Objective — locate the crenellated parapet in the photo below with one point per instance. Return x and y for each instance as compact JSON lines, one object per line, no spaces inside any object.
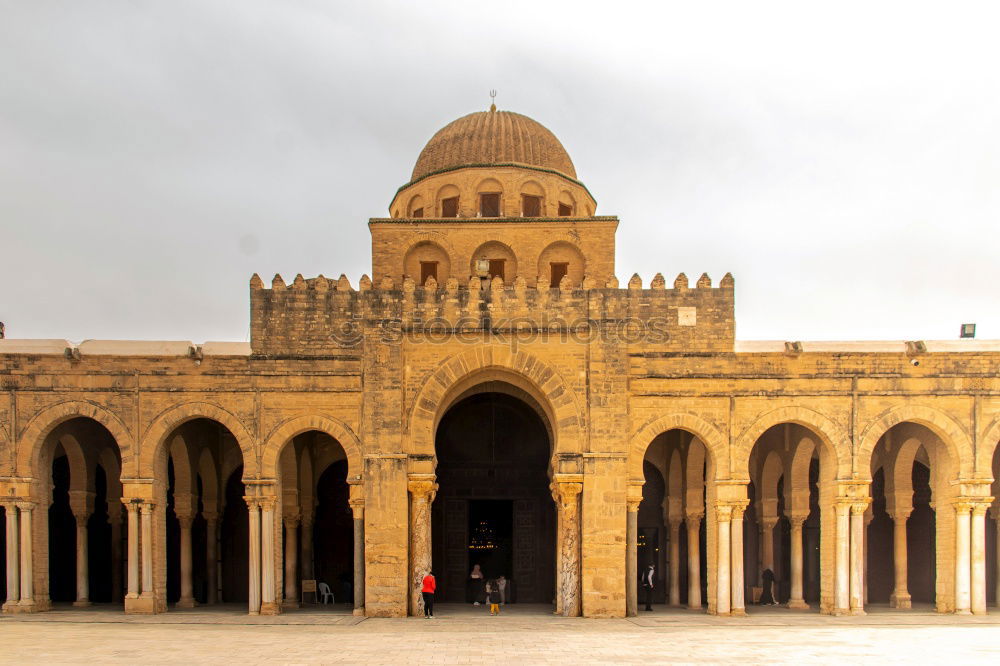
{"x":322,"y":316}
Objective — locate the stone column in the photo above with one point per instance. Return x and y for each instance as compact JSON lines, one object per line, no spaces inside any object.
{"x":568,"y":498}
{"x":422,"y":490}
{"x":253,"y":582}
{"x":146,"y":545}
{"x":187,"y":562}
{"x":767,"y":524}
{"x":736,"y":559}
{"x":306,"y":530}
{"x":900,"y":597}
{"x":723,"y":590}
{"x":82,"y":562}
{"x":632,"y":555}
{"x":796,"y":599}
{"x":675,"y":563}
{"x":841,"y":598}
{"x":996,"y":519}
{"x":694,"y":560}
{"x":358,"y":509}
{"x":268,"y":604}
{"x":292,"y":561}
{"x":115,"y":519}
{"x":27,"y":600}
{"x":857,"y":558}
{"x":963,"y":565}
{"x":13,"y":558}
{"x":132,"y":510}
{"x":211,"y":557}
{"x":978,"y":556}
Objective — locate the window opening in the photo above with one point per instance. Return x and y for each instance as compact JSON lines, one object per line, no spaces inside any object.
{"x":559,"y":269}
{"x":496,"y":269}
{"x":449,"y":207}
{"x":489,"y":205}
{"x":531,"y":206}
{"x":428,"y":269}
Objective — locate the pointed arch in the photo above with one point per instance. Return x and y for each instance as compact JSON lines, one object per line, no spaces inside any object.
{"x":46,"y":420}
{"x":954,"y":437}
{"x":155,"y":436}
{"x":705,"y":432}
{"x":462,"y":371}
{"x":284,"y":432}
{"x":986,"y":448}
{"x":832,"y":436}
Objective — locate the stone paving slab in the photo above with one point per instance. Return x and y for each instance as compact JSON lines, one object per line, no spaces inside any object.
{"x":526,"y":636}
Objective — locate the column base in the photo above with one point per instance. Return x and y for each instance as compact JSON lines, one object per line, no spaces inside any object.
{"x":140,"y":606}
{"x":798,"y":604}
{"x":900,"y":601}
{"x":359,"y":612}
{"x":186,"y":603}
{"x":738,"y":612}
{"x":81,"y":603}
{"x":19,"y":607}
{"x":858,"y":611}
{"x":964,"y":611}
{"x":270,"y":608}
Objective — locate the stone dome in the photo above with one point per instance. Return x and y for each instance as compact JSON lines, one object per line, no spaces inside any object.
{"x":493,"y":137}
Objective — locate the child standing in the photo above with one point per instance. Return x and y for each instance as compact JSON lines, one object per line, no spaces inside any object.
{"x":493,"y":592}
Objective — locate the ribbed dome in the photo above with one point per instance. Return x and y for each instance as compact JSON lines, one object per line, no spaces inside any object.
{"x":493,"y":137}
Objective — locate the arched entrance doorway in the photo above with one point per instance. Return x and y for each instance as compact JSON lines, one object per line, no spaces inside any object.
{"x":493,"y":506}
{"x":318,"y":537}
{"x":84,"y":517}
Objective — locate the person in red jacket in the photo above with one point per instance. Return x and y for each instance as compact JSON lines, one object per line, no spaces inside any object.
{"x":427,"y":590}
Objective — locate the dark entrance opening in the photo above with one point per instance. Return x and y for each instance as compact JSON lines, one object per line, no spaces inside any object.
{"x":493,"y":506}
{"x":491,"y":537}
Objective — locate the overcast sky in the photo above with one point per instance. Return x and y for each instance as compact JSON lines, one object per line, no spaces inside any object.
{"x":841,"y":159}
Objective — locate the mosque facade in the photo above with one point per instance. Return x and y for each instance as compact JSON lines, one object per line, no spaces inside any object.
{"x":493,"y":395}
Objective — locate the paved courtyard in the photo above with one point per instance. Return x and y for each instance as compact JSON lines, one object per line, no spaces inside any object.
{"x":463,"y":635}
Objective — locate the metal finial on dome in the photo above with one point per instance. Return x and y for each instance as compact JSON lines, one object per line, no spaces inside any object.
{"x":493,"y":98}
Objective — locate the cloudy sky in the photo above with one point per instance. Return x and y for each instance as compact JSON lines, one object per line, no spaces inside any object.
{"x":841,"y":159}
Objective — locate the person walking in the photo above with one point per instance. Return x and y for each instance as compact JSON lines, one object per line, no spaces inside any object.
{"x":427,"y":591}
{"x":493,"y":593}
{"x":647,"y":585}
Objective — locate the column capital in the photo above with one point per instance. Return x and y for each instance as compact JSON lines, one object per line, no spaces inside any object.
{"x":210,"y":516}
{"x":423,"y":487}
{"x":565,"y":492}
{"x":633,"y":496}
{"x":147,"y":507}
{"x":900,"y":514}
{"x":963,"y":505}
{"x":797,"y":518}
{"x":357,"y":508}
{"x":25,"y":506}
{"x":292,"y":521}
{"x":859,"y":507}
{"x":692,"y":516}
{"x":253,"y":501}
{"x":723,"y":513}
{"x":185,"y":520}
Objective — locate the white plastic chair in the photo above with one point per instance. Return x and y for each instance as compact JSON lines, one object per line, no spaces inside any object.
{"x":325,"y":593}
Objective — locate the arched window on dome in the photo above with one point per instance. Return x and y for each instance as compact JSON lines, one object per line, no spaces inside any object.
{"x":500,"y":259}
{"x":532,"y":201}
{"x":448,"y":201}
{"x":567,"y":204}
{"x":416,"y":208}
{"x":561,"y":259}
{"x":490,"y":196}
{"x":427,"y":259}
